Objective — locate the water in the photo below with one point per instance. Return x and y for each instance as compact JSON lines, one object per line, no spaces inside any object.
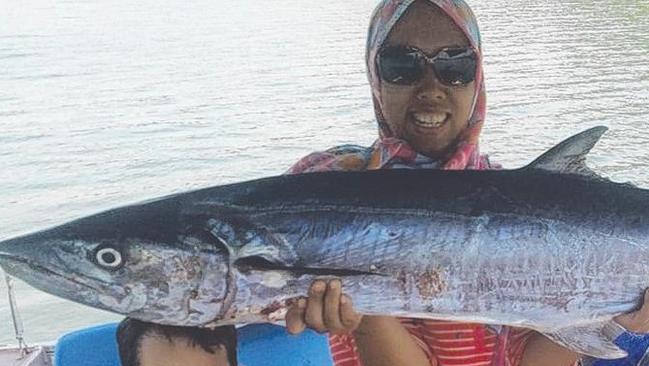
{"x":105,"y":103}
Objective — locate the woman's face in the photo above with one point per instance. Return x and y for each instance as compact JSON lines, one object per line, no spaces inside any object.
{"x":428,"y":114}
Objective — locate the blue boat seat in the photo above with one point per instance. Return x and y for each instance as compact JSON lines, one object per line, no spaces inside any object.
{"x":259,"y":344}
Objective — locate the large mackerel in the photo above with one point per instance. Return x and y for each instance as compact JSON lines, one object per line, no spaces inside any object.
{"x":551,"y":247}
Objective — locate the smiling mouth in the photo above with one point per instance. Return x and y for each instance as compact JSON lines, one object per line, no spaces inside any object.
{"x":430,"y":119}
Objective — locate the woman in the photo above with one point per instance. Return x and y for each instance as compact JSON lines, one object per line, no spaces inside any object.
{"x":424,"y":65}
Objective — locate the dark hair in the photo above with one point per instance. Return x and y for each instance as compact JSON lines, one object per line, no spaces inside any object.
{"x":131,"y":331}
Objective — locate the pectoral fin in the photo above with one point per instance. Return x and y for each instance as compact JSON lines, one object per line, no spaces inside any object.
{"x":245,"y":239}
{"x":595,"y":339}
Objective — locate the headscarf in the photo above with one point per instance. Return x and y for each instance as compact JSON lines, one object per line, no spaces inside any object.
{"x":389,"y":151}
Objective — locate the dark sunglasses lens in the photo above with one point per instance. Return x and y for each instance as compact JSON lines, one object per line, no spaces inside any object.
{"x":400,"y":66}
{"x":456,"y":67}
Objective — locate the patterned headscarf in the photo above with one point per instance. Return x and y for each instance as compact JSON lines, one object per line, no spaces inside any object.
{"x":386,"y":15}
{"x":389,"y":151}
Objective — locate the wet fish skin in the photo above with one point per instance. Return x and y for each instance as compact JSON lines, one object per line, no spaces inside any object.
{"x":549,"y":247}
{"x":159,"y":275}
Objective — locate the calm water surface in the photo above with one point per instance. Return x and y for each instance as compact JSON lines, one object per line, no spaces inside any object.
{"x":109,"y":102}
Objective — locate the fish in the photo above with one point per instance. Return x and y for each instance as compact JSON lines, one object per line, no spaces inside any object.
{"x":552,"y":247}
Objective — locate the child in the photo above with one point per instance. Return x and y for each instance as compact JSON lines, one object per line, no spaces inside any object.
{"x":148,"y":344}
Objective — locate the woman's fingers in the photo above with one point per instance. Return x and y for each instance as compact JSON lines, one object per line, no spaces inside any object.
{"x":295,"y":317}
{"x":638,"y":321}
{"x":332,"y":319}
{"x":325,"y":310}
{"x":315,"y":307}
{"x":644,"y":310}
{"x":349,"y":318}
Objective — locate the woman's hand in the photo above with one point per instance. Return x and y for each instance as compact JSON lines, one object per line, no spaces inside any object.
{"x":381,"y":341}
{"x":638,"y":321}
{"x":326,"y":309}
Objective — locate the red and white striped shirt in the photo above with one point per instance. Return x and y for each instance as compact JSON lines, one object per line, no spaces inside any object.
{"x":446,"y":344}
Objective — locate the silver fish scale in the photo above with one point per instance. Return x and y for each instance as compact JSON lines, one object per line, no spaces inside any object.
{"x":360,"y":240}
{"x":535,"y":267}
{"x":511,"y":269}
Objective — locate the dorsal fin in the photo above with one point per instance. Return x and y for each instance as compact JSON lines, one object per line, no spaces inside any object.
{"x":569,"y":156}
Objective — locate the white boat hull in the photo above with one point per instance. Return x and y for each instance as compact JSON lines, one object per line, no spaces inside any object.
{"x":35,"y":356}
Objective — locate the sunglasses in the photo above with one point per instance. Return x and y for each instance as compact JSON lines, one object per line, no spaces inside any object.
{"x":403,"y":65}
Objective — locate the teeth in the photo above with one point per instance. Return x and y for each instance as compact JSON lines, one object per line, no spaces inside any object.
{"x":430,"y":119}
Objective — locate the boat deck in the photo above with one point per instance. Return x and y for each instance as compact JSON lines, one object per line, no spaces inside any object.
{"x":37,"y":356}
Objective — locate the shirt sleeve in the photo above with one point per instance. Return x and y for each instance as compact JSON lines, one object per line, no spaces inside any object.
{"x":517,"y":342}
{"x":416,"y":330}
{"x":518,"y":339}
{"x":343,"y":350}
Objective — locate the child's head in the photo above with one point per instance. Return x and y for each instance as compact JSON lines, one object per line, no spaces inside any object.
{"x":424,"y":66}
{"x":148,"y":344}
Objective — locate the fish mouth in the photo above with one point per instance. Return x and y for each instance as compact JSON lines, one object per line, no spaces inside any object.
{"x":24,"y":269}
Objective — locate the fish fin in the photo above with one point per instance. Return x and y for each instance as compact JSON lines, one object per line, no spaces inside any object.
{"x":244,"y":239}
{"x":595,"y":339}
{"x":569,"y":156}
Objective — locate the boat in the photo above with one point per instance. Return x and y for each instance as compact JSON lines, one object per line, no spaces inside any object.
{"x":32,"y":356}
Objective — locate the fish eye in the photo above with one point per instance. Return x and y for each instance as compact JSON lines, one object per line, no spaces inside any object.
{"x":109,"y":258}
